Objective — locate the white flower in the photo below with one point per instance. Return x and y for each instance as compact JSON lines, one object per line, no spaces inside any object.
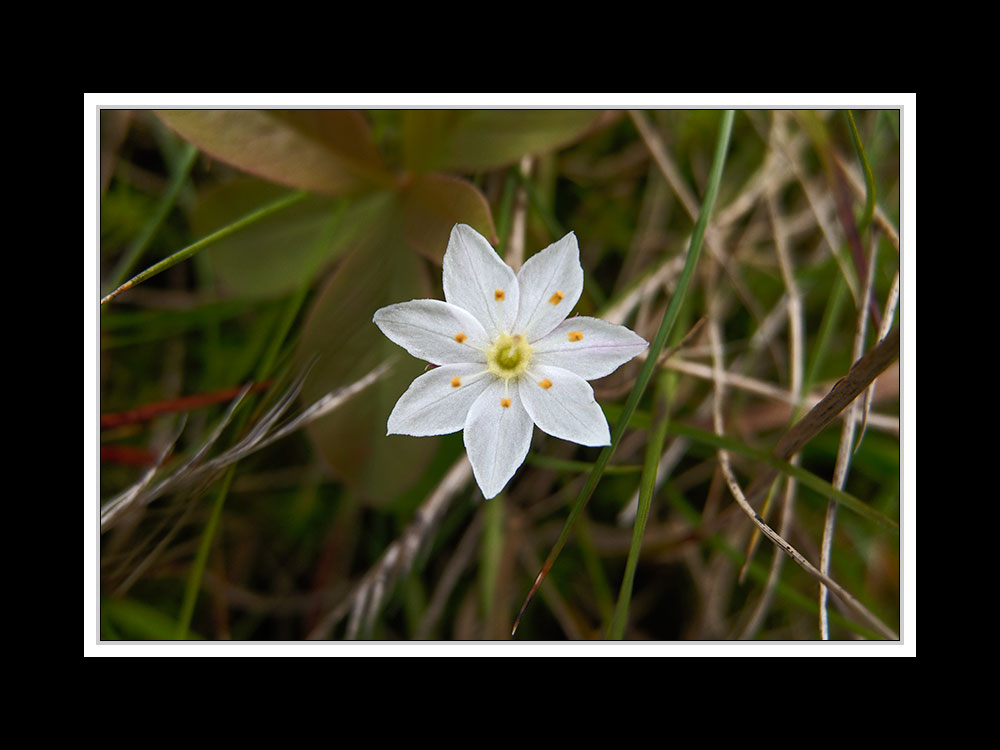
{"x":507,"y":355}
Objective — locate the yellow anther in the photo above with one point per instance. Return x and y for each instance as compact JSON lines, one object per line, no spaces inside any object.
{"x":460,"y":337}
{"x":499,"y":295}
{"x":556,"y":298}
{"x":456,"y":381}
{"x":576,"y":335}
{"x":545,"y":383}
{"x":505,"y":403}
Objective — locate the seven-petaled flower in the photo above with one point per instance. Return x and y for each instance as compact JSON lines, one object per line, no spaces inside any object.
{"x":508,"y":357}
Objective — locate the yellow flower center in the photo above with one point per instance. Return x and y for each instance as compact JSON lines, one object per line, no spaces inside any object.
{"x":509,"y":356}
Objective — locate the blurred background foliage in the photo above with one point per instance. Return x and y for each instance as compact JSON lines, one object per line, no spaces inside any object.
{"x":338,"y":531}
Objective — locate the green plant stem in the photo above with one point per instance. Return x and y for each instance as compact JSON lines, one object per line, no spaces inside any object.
{"x":869,"y":210}
{"x":647,"y":484}
{"x":139,"y":245}
{"x":185,"y":253}
{"x":491,"y":552}
{"x":193,"y":585}
{"x":666,"y":325}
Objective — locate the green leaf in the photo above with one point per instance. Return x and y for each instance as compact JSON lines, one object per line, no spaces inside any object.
{"x":432,"y":204}
{"x":340,"y":335}
{"x":485,"y":139}
{"x":328,"y":151}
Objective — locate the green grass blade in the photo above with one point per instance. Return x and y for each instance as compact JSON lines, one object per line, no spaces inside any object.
{"x":185,"y":253}
{"x":138,"y":247}
{"x":869,"y":211}
{"x":647,"y":484}
{"x":666,"y":325}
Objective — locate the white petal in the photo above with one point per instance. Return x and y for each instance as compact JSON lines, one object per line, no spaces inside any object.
{"x":550,"y":284}
{"x":434,"y":331}
{"x":438,"y":402}
{"x":562,"y":404}
{"x":477,"y":280}
{"x":497,"y":437}
{"x":590,"y":347}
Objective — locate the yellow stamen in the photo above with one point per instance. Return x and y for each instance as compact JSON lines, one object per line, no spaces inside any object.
{"x":556,"y":298}
{"x":509,"y":356}
{"x":456,"y":381}
{"x":460,"y":337}
{"x":576,"y":335}
{"x":499,"y":295}
{"x":545,"y":383}
{"x":505,"y":403}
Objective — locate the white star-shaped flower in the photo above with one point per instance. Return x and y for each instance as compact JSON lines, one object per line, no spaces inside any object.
{"x":507,"y":356}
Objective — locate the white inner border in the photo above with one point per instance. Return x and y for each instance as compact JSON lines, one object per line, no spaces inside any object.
{"x":93,"y":102}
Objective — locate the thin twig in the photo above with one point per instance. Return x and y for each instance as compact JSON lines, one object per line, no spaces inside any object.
{"x":714,"y":239}
{"x":887,"y":318}
{"x":774,"y":175}
{"x":861,"y":374}
{"x":843,"y":461}
{"x":777,"y":561}
{"x":770,"y":533}
{"x":796,"y":343}
{"x":817,"y":203}
{"x":762,"y":388}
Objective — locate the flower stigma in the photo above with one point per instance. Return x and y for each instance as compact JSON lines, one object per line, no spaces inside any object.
{"x":509,"y":356}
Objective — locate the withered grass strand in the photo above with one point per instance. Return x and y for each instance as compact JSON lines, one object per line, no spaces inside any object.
{"x":460,"y":561}
{"x":743,"y":502}
{"x":820,"y":206}
{"x":843,"y":461}
{"x":261,"y":435}
{"x":774,"y":174}
{"x":879,"y":421}
{"x":887,"y":317}
{"x":123,"y":501}
{"x":796,"y":366}
{"x":714,"y":236}
{"x":365,"y":599}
